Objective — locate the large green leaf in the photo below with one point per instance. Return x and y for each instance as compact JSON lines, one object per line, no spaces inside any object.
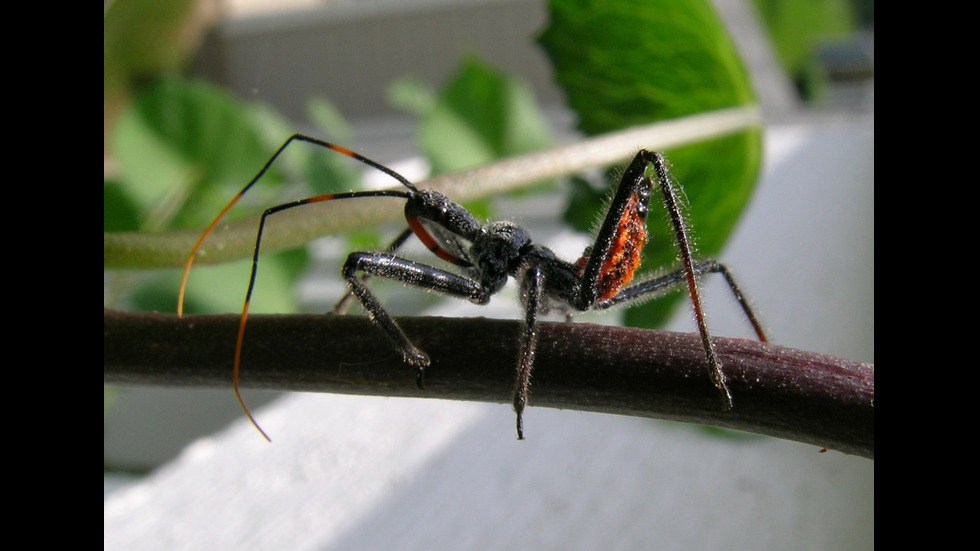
{"x":481,"y":115}
{"x":184,"y":149}
{"x":326,"y":171}
{"x":624,"y":63}
{"x":193,"y":140}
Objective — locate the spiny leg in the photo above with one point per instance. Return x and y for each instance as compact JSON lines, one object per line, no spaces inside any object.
{"x":683,"y":244}
{"x":611,"y":262}
{"x":410,"y":273}
{"x":343,"y":304}
{"x":532,"y":286}
{"x":712,"y":266}
{"x":376,"y":312}
{"x":667,"y":282}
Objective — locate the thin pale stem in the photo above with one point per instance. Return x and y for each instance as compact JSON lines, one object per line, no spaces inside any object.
{"x":235,"y":240}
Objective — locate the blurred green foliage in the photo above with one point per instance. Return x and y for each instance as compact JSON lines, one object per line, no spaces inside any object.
{"x":797,"y":27}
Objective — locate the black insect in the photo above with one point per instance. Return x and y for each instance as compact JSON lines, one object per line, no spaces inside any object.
{"x":486,"y":255}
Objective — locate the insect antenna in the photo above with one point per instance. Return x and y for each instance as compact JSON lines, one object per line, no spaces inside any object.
{"x":412,"y":190}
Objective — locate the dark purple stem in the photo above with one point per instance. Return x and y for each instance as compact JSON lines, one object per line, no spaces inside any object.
{"x":781,"y":392}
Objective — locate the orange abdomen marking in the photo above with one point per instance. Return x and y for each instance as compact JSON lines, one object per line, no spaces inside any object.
{"x":624,"y":255}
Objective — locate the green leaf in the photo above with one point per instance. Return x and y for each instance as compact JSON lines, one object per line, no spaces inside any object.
{"x":140,"y":40}
{"x":326,"y":171}
{"x":411,"y":95}
{"x":624,"y":63}
{"x":190,"y":146}
{"x":480,"y":116}
{"x":185,"y":149}
{"x":119,"y":214}
{"x":581,"y":212}
{"x":327,"y":118}
{"x":221,"y":288}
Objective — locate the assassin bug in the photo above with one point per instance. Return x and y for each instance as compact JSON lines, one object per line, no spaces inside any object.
{"x":487,"y":255}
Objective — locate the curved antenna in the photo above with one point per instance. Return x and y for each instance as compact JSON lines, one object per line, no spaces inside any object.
{"x":412,"y":191}
{"x":255,"y":266}
{"x":265,"y":168}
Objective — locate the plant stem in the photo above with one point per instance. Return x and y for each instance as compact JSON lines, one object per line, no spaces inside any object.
{"x":778,"y":391}
{"x":236,"y":240}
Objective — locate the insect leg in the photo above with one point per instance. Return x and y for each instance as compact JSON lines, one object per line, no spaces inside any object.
{"x":668,"y":282}
{"x":684,"y":246}
{"x":344,"y":303}
{"x":532,"y":287}
{"x":411,"y":273}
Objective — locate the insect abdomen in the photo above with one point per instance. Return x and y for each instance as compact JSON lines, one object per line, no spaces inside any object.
{"x":624,"y":254}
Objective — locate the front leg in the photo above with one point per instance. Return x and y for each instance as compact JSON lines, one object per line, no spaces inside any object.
{"x":343,"y":304}
{"x":411,"y":273}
